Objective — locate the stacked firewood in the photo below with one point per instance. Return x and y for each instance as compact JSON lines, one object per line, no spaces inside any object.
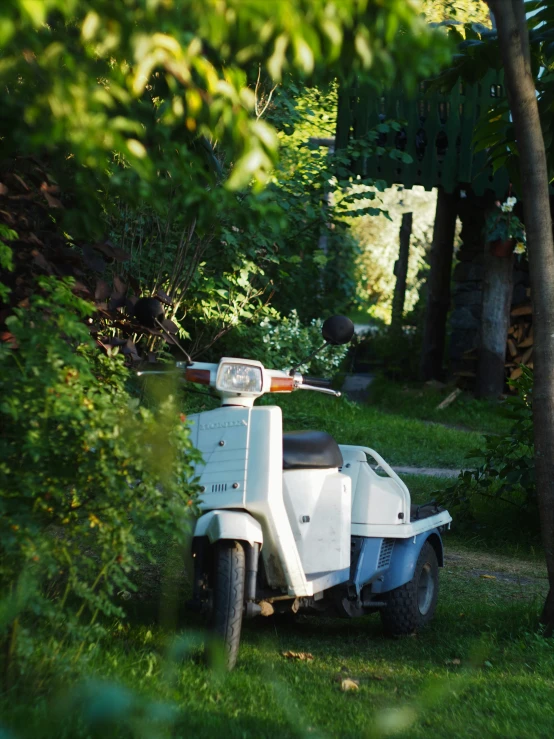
{"x":519,"y":348}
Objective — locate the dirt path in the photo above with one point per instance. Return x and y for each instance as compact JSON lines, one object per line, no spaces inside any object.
{"x":505,"y":576}
{"x":427,"y":471}
{"x":356,"y":385}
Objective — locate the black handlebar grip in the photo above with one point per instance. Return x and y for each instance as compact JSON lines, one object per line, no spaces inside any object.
{"x":317,"y":381}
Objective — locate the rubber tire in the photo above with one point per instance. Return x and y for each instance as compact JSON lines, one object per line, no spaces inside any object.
{"x":229,"y":572}
{"x":402,"y":616}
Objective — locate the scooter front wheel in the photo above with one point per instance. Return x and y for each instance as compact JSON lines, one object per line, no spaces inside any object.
{"x":229,"y":569}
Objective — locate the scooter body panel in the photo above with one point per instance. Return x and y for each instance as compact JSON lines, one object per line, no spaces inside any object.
{"x":242,"y":468}
{"x":376,"y":499}
{"x":318,"y":504}
{"x":223,"y":437}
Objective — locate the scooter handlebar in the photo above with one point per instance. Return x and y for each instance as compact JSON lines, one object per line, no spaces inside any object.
{"x":317,"y":381}
{"x":325,"y":390}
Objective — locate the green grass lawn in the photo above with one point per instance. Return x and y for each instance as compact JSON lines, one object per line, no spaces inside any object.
{"x":400,"y":440}
{"x":421,"y":402}
{"x":480,"y":670}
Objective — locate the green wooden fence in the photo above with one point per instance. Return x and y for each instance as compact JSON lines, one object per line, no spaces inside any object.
{"x":437,"y":133}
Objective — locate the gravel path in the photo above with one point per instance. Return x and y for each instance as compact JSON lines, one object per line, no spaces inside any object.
{"x":430,"y":471}
{"x":356,"y":386}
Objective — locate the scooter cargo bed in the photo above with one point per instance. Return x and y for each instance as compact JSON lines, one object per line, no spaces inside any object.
{"x":402,"y":530}
{"x":417,"y":512}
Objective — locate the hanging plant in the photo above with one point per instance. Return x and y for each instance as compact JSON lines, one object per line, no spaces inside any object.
{"x":504,"y":231}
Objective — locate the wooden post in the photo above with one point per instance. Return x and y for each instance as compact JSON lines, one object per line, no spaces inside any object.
{"x":438,"y":286}
{"x":401,"y":272}
{"x":495,"y":321}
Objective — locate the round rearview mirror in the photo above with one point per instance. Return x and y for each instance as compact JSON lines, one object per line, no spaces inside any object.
{"x":337,"y":330}
{"x":147,"y":311}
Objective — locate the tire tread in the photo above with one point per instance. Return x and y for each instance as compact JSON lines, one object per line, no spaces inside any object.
{"x":229,"y":597}
{"x":401,"y":615}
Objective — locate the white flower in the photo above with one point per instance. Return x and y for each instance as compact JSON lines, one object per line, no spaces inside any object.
{"x":506,"y":208}
{"x":519,"y":248}
{"x":511,"y":201}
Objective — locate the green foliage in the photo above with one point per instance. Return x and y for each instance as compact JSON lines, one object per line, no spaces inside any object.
{"x":148,"y":113}
{"x":398,"y":353}
{"x":462,"y":11}
{"x":312,"y":250}
{"x":503,"y":484}
{"x":502,"y":224}
{"x":398,"y":356}
{"x":379,"y":238}
{"x":290,"y":244}
{"x":6,"y":257}
{"x":128,"y":96}
{"x":281,"y":342}
{"x":88,"y":478}
{"x":285,"y":343}
{"x":478,"y":52}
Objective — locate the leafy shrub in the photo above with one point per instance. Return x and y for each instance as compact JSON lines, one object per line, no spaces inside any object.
{"x":399,"y":356}
{"x":6,"y":257}
{"x":281,"y":342}
{"x":89,"y":478}
{"x":288,"y":341}
{"x":504,"y":481}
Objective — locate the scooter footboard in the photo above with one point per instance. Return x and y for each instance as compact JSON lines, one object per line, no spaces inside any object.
{"x":229,"y":525}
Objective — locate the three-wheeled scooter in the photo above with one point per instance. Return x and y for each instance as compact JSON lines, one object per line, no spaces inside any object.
{"x":296,"y":521}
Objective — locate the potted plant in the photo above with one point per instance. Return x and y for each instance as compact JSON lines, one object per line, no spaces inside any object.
{"x":503,"y":229}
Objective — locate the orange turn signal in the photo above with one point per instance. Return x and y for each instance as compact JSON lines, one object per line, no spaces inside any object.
{"x":281,"y":385}
{"x":201,"y":376}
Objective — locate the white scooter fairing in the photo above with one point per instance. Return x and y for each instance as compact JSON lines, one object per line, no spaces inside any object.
{"x":304,"y":514}
{"x":306,"y":511}
{"x":292,"y":521}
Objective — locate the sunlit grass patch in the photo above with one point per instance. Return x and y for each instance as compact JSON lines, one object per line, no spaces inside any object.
{"x":400,"y":440}
{"x":417,"y":400}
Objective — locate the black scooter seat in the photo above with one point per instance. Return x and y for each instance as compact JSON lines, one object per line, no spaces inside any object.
{"x":310,"y":450}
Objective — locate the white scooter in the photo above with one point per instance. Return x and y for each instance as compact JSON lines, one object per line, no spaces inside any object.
{"x":296,"y":521}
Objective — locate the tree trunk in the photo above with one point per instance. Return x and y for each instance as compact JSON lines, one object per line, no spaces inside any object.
{"x":438,"y":286}
{"x":401,"y":272}
{"x":495,"y":322}
{"x":514,"y":43}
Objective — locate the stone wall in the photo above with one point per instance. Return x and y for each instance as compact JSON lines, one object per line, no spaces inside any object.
{"x":467,"y":288}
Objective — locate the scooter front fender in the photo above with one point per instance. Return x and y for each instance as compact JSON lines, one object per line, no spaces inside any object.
{"x":229,"y":525}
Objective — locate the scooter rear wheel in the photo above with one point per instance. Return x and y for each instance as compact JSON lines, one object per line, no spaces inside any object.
{"x":229,"y":569}
{"x":412,"y":606}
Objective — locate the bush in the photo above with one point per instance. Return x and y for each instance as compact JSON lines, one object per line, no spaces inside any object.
{"x":399,"y":356}
{"x":281,"y":342}
{"x":503,"y":485}
{"x":89,"y":479}
{"x":287,"y":342}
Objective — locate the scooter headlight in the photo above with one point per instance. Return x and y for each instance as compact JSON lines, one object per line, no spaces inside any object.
{"x":233,"y":377}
